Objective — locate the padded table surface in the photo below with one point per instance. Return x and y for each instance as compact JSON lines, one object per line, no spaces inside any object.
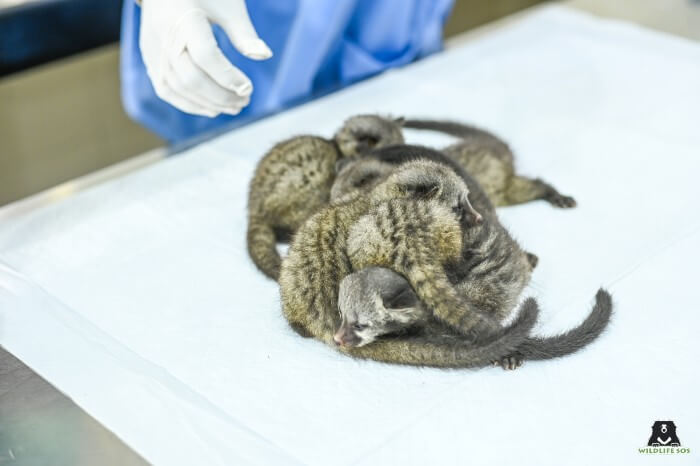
{"x":137,"y":299}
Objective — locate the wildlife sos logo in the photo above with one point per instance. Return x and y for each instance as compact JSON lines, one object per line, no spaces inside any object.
{"x":664,"y":440}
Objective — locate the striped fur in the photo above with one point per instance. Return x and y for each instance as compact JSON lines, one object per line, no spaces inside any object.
{"x":293,"y":180}
{"x":360,"y":301}
{"x":491,"y":162}
{"x":493,"y":269}
{"x":417,"y":236}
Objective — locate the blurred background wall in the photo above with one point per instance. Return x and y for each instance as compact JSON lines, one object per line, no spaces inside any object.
{"x":60,"y":109}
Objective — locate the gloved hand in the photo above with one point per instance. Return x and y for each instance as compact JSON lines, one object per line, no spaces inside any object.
{"x":183,"y":60}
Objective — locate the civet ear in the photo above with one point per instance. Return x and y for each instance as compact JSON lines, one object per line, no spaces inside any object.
{"x":366,"y":142}
{"x":401,"y":298}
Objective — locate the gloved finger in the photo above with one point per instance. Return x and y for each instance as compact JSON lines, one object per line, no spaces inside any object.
{"x":177,"y":86}
{"x":240,"y":105}
{"x":191,"y":103}
{"x":199,"y":86}
{"x":165,"y":91}
{"x":245,"y":101}
{"x":209,"y":58}
{"x":242,"y":33}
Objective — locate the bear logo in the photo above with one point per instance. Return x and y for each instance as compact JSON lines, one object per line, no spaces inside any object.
{"x":663,"y":434}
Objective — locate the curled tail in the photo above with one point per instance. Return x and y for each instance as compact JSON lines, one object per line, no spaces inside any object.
{"x":262,"y":247}
{"x":452,"y":128}
{"x":452,"y":351}
{"x":435,"y":291}
{"x":575,"y":339}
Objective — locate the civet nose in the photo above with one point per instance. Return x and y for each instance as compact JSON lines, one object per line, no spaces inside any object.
{"x":474,"y":216}
{"x":347,"y":338}
{"x":468,"y":215}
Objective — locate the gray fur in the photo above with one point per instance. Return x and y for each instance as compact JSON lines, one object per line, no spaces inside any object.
{"x":293,"y":180}
{"x":413,"y":223}
{"x":493,"y":269}
{"x":491,"y":162}
{"x":396,"y":306}
{"x":362,"y":300}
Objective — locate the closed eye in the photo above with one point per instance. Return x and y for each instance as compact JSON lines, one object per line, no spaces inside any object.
{"x":364,"y":180}
{"x":421,"y":190}
{"x":359,"y":327}
{"x":368,"y":140}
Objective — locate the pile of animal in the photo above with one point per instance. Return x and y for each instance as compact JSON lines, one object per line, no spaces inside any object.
{"x":397,"y":253}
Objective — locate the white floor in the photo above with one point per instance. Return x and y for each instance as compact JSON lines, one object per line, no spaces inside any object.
{"x":136,"y":297}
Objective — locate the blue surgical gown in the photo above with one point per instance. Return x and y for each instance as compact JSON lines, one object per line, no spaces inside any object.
{"x":318,"y":45}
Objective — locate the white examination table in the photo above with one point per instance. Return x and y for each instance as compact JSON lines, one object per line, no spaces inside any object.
{"x":137,"y":299}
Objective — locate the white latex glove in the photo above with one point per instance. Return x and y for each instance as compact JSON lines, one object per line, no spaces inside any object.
{"x":186,"y":66}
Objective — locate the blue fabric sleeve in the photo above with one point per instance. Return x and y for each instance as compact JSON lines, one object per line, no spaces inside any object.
{"x":318,"y":45}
